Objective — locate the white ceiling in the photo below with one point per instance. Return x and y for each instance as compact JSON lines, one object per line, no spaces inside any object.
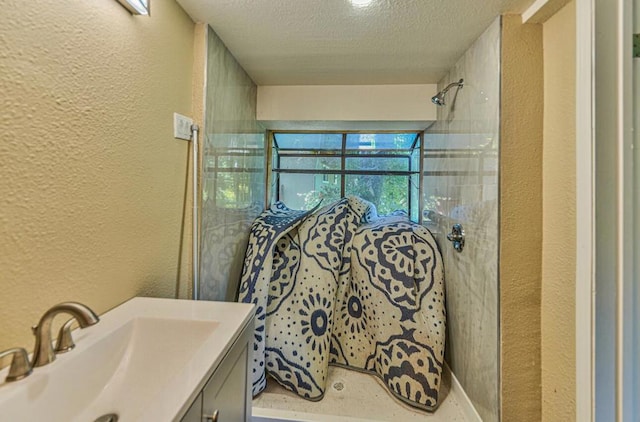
{"x":332,"y":42}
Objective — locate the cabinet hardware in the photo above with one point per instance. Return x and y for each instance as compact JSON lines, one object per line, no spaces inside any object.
{"x":212,"y":418}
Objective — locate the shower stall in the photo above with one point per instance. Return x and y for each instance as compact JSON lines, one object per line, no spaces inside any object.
{"x":460,"y":162}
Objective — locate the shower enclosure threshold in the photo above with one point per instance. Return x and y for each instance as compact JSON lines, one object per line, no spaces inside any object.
{"x":356,"y":397}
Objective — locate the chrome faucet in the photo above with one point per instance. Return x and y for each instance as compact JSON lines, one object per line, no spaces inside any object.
{"x":43,"y":352}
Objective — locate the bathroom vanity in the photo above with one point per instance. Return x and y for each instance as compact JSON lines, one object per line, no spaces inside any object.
{"x":145,"y":360}
{"x":226,"y":397}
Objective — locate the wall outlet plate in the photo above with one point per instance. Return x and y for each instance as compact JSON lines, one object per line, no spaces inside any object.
{"x":182,"y":127}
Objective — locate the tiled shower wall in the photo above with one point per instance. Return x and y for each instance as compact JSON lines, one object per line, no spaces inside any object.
{"x":461,"y":186}
{"x":233,"y":171}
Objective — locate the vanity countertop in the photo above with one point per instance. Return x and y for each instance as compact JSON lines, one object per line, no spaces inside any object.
{"x":146,"y":360}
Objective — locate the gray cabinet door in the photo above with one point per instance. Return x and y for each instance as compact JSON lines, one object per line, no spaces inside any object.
{"x":226,"y":392}
{"x":194,"y":414}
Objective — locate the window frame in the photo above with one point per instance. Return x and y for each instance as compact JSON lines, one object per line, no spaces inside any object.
{"x":273,"y":174}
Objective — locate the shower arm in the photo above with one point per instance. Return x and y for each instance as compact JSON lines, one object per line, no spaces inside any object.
{"x":460,"y":83}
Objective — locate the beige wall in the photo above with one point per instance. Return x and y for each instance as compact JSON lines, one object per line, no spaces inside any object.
{"x":92,"y":183}
{"x":558,"y":218}
{"x":347,"y":102}
{"x":521,"y":218}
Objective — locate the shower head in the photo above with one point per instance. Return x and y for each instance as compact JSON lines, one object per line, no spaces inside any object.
{"x":438,"y":99}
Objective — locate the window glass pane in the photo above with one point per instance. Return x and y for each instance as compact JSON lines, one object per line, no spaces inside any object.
{"x":395,"y":152}
{"x":377,"y":153}
{"x":372,"y":163}
{"x":388,"y":193}
{"x":321,"y":141}
{"x":415,"y":160}
{"x":364,"y":141}
{"x":233,"y":190}
{"x":414,"y":204}
{"x":310,"y":152}
{"x":310,"y":163}
{"x":233,"y":158}
{"x":304,"y":191}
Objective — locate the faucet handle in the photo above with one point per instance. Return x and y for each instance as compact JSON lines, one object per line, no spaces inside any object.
{"x":65,"y":340}
{"x":20,"y":366}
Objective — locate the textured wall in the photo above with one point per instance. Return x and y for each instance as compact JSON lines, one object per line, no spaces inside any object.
{"x":521,"y":218}
{"x":92,"y":183}
{"x":461,"y":186}
{"x":558,"y":217}
{"x":233,"y":179}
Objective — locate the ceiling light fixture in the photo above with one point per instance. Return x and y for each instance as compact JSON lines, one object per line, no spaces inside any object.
{"x":136,"y":7}
{"x":360,"y":3}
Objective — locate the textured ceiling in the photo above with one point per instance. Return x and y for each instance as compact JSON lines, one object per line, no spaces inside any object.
{"x":332,"y":42}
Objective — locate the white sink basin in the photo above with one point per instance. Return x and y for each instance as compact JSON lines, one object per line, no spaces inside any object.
{"x":145,"y":360}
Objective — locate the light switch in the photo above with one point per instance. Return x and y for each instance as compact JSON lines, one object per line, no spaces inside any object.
{"x":182,"y":127}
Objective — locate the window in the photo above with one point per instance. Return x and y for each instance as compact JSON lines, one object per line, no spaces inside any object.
{"x":382,"y":168}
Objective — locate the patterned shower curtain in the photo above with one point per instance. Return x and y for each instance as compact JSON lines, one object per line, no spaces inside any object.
{"x":345,"y":287}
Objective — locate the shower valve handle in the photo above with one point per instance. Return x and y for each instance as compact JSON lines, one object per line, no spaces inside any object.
{"x":457,"y":237}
